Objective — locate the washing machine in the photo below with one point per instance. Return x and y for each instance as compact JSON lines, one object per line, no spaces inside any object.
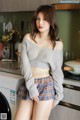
{"x":9,"y":84}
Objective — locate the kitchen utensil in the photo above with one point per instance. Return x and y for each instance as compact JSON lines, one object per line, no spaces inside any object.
{"x":22,"y":30}
{"x":5,"y":53}
{"x":9,"y":26}
{"x":72,"y":67}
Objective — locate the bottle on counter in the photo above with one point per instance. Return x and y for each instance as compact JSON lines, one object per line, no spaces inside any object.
{"x":12,"y":47}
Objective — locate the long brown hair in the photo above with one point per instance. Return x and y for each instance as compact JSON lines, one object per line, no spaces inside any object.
{"x":50,"y":15}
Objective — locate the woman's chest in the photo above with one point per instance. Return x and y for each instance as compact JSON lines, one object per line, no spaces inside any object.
{"x":40,"y":54}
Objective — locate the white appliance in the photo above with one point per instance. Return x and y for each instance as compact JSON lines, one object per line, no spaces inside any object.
{"x":9,"y":84}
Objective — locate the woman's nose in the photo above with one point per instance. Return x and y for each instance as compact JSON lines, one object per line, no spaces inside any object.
{"x":41,"y":22}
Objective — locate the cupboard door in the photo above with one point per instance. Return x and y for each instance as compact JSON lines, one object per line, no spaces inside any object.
{"x":49,"y":1}
{"x":43,"y":2}
{"x":22,"y":5}
{"x":8,"y":5}
{"x":31,"y":5}
{"x":55,"y":1}
{"x":28,"y":5}
{"x":1,"y":5}
{"x":71,"y":96}
{"x":64,"y":113}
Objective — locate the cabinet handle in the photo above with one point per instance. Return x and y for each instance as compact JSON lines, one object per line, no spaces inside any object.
{"x":69,"y":86}
{"x":73,"y":87}
{"x":69,"y":105}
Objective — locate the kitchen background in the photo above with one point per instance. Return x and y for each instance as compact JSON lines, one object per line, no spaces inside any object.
{"x":68,"y":21}
{"x":69,"y":31}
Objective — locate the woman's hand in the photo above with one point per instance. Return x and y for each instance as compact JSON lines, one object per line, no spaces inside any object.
{"x":36,"y":99}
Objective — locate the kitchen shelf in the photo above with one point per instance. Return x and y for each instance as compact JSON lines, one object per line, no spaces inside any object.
{"x":65,"y":6}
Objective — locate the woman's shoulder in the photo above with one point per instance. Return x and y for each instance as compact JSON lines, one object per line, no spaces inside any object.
{"x":59,"y":44}
{"x":27,"y":37}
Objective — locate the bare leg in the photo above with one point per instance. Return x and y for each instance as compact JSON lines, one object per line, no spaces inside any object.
{"x":42,"y":110}
{"x":24,"y":111}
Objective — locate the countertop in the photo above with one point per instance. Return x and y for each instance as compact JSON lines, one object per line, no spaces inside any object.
{"x":10,"y":67}
{"x":13,"y":68}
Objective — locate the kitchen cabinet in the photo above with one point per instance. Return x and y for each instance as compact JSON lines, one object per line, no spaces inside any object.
{"x":64,"y":113}
{"x":67,"y":6}
{"x":19,"y":5}
{"x":66,"y":1}
{"x":42,"y":2}
{"x":69,"y":107}
{"x":55,"y":1}
{"x":8,"y":5}
{"x":72,"y":94}
{"x":28,"y":5}
{"x":31,"y":5}
{"x":22,"y":5}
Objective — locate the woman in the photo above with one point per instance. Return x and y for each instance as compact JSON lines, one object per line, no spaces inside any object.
{"x":41,"y":61}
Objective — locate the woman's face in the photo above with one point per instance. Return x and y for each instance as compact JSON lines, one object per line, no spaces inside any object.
{"x":41,"y":23}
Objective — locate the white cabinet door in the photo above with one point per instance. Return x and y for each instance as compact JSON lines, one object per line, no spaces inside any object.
{"x":8,"y":5}
{"x":64,"y":113}
{"x":71,"y":96}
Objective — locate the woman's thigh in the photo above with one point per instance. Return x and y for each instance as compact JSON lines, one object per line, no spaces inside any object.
{"x":42,"y":110}
{"x":24,"y":110}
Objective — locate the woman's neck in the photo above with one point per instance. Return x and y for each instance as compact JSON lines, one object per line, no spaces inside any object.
{"x":44,"y":36}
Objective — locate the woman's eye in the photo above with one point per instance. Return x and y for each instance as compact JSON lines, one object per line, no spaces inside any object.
{"x":38,"y":19}
{"x":45,"y":19}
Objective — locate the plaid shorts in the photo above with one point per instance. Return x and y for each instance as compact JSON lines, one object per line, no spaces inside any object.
{"x":45,"y":87}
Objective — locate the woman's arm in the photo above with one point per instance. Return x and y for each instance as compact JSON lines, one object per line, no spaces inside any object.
{"x":27,"y":72}
{"x":57,"y":73}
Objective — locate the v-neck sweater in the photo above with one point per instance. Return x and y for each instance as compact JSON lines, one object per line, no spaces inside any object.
{"x":32,"y":55}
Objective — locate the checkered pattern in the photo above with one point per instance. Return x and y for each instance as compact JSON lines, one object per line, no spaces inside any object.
{"x":45,"y":87}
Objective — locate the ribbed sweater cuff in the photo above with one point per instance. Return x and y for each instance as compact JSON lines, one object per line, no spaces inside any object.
{"x":33,"y":93}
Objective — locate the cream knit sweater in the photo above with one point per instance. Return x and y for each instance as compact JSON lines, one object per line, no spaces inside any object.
{"x":45,"y":58}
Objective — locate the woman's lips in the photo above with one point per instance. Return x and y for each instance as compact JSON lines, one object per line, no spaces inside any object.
{"x":40,"y":27}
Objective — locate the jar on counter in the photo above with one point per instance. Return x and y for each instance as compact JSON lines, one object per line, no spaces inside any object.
{"x":68,"y":55}
{"x":5,"y":53}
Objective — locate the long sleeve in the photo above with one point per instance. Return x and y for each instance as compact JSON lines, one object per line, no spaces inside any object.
{"x":57,"y":73}
{"x":27,"y":72}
